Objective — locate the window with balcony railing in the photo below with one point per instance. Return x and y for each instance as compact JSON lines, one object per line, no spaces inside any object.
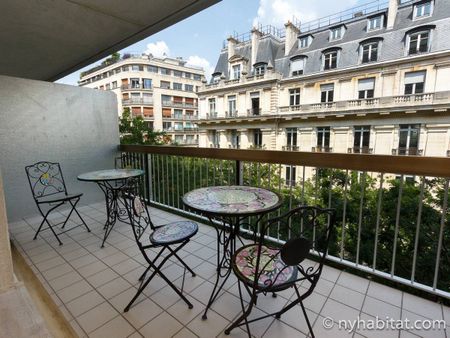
{"x":291,"y":173}
{"x":366,"y":88}
{"x":361,"y":139}
{"x":212,"y":106}
{"x":257,"y":138}
{"x":327,"y":93}
{"x":415,"y":82}
{"x":236,"y":72}
{"x":294,"y":97}
{"x":291,"y":138}
{"x":408,"y":139}
{"x":231,"y":105}
{"x":323,"y":138}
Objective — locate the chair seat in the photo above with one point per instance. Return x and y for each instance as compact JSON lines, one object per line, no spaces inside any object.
{"x":57,"y":198}
{"x":274,"y":272}
{"x":173,"y":232}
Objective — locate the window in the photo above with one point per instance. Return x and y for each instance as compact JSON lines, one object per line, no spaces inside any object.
{"x":177,"y":73}
{"x":187,"y":75}
{"x":370,"y":52}
{"x":361,"y":139}
{"x":231,"y":104}
{"x":305,"y":41}
{"x":414,"y":83}
{"x":167,"y":125}
{"x":330,"y":60}
{"x":327,"y":92}
{"x":260,"y":69}
{"x":419,"y":42}
{"x":178,"y":126}
{"x":125,"y":68}
{"x":294,"y":97}
{"x":375,"y":23}
{"x":323,"y":137}
{"x":152,"y":69}
{"x":212,"y":106}
{"x":257,"y":138}
{"x":366,"y":88}
{"x":188,"y":88}
{"x":190,"y":139}
{"x":423,"y":10}
{"x":164,"y":71}
{"x":134,"y":83}
{"x":147,"y":98}
{"x":408,"y":139}
{"x":178,"y":113}
{"x":136,"y":68}
{"x":235,"y":139}
{"x":114,"y":85}
{"x":236,"y":72}
{"x":290,"y":175}
{"x":197,"y":77}
{"x":166,"y":99}
{"x":297,"y":66}
{"x":178,"y":138}
{"x":215,"y":138}
{"x":336,"y":33}
{"x":291,"y":138}
{"x":177,"y":86}
{"x":216,"y":78}
{"x":147,"y":83}
{"x":165,"y":84}
{"x":135,"y":96}
{"x":107,"y":86}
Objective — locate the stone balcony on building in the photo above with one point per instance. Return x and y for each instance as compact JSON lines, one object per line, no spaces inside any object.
{"x":137,"y":101}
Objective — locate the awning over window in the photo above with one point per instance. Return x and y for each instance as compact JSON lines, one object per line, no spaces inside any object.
{"x":366,"y":84}
{"x":415,"y":77}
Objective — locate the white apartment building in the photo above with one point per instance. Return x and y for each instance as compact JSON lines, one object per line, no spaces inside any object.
{"x":162,"y":91}
{"x":375,"y":80}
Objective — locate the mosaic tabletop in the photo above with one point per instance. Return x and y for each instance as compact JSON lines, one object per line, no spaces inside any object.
{"x":110,"y":174}
{"x":232,"y":200}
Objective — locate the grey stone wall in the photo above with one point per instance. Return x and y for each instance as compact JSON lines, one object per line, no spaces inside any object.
{"x":42,"y":121}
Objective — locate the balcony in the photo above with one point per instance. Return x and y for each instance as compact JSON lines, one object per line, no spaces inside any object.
{"x":137,"y":101}
{"x":87,"y":281}
{"x":130,"y":87}
{"x":290,"y":148}
{"x":253,"y":112}
{"x":360,"y":150}
{"x":231,"y":114}
{"x":321,"y":149}
{"x":385,"y":103}
{"x":176,"y":104}
{"x":211,"y":116}
{"x":188,"y":117}
{"x":412,"y":151}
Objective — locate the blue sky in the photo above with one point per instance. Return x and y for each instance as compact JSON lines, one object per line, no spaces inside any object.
{"x":199,"y":38}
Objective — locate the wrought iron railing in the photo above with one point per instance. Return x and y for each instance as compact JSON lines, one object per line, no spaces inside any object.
{"x":392,"y":211}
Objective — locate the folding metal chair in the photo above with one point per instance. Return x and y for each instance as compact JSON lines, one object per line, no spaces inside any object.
{"x":49,"y":193}
{"x":263,"y":268}
{"x":169,"y":237}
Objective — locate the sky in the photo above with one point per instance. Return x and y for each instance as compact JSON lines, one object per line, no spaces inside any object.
{"x":199,"y":38}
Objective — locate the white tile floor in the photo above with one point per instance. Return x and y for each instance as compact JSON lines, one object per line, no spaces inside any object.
{"x":93,"y":285}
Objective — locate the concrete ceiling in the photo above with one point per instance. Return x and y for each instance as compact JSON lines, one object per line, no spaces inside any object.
{"x":48,"y":39}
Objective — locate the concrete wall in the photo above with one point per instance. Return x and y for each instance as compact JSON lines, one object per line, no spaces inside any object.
{"x":39,"y":121}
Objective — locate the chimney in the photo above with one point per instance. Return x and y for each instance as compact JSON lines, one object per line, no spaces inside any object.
{"x":256,"y":35}
{"x":232,"y":42}
{"x":292,"y":33}
{"x":392,"y":13}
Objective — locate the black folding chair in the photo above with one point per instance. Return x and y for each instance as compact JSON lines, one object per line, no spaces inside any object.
{"x":171,"y":237}
{"x":50,"y":192}
{"x":263,"y":268}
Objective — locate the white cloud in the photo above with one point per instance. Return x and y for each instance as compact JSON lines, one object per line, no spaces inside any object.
{"x":158,"y":49}
{"x":198,"y":61}
{"x":278,"y":12}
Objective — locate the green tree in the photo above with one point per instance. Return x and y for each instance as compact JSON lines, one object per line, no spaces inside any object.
{"x":134,"y":130}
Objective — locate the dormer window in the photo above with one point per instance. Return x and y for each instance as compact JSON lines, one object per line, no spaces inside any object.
{"x":419,"y":42}
{"x":236,"y":72}
{"x":330,"y":59}
{"x":375,"y":23}
{"x":305,"y":41}
{"x":260,"y":69}
{"x":337,"y":33}
{"x":423,"y":10}
{"x":369,"y":50}
{"x":298,"y":65}
{"x":215,"y":78}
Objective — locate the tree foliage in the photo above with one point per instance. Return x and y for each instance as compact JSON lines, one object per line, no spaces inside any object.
{"x":134,"y":130}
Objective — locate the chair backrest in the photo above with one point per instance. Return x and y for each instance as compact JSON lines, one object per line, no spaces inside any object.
{"x":45,"y":179}
{"x":136,"y":209}
{"x":308,"y":229}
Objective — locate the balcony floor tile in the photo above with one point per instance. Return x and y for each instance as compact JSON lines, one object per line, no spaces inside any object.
{"x":92,"y":286}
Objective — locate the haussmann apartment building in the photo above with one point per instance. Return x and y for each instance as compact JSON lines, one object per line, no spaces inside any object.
{"x":374,"y":80}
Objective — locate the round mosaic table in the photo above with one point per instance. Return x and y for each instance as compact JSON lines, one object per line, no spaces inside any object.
{"x":110,"y":182}
{"x":230,"y":205}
